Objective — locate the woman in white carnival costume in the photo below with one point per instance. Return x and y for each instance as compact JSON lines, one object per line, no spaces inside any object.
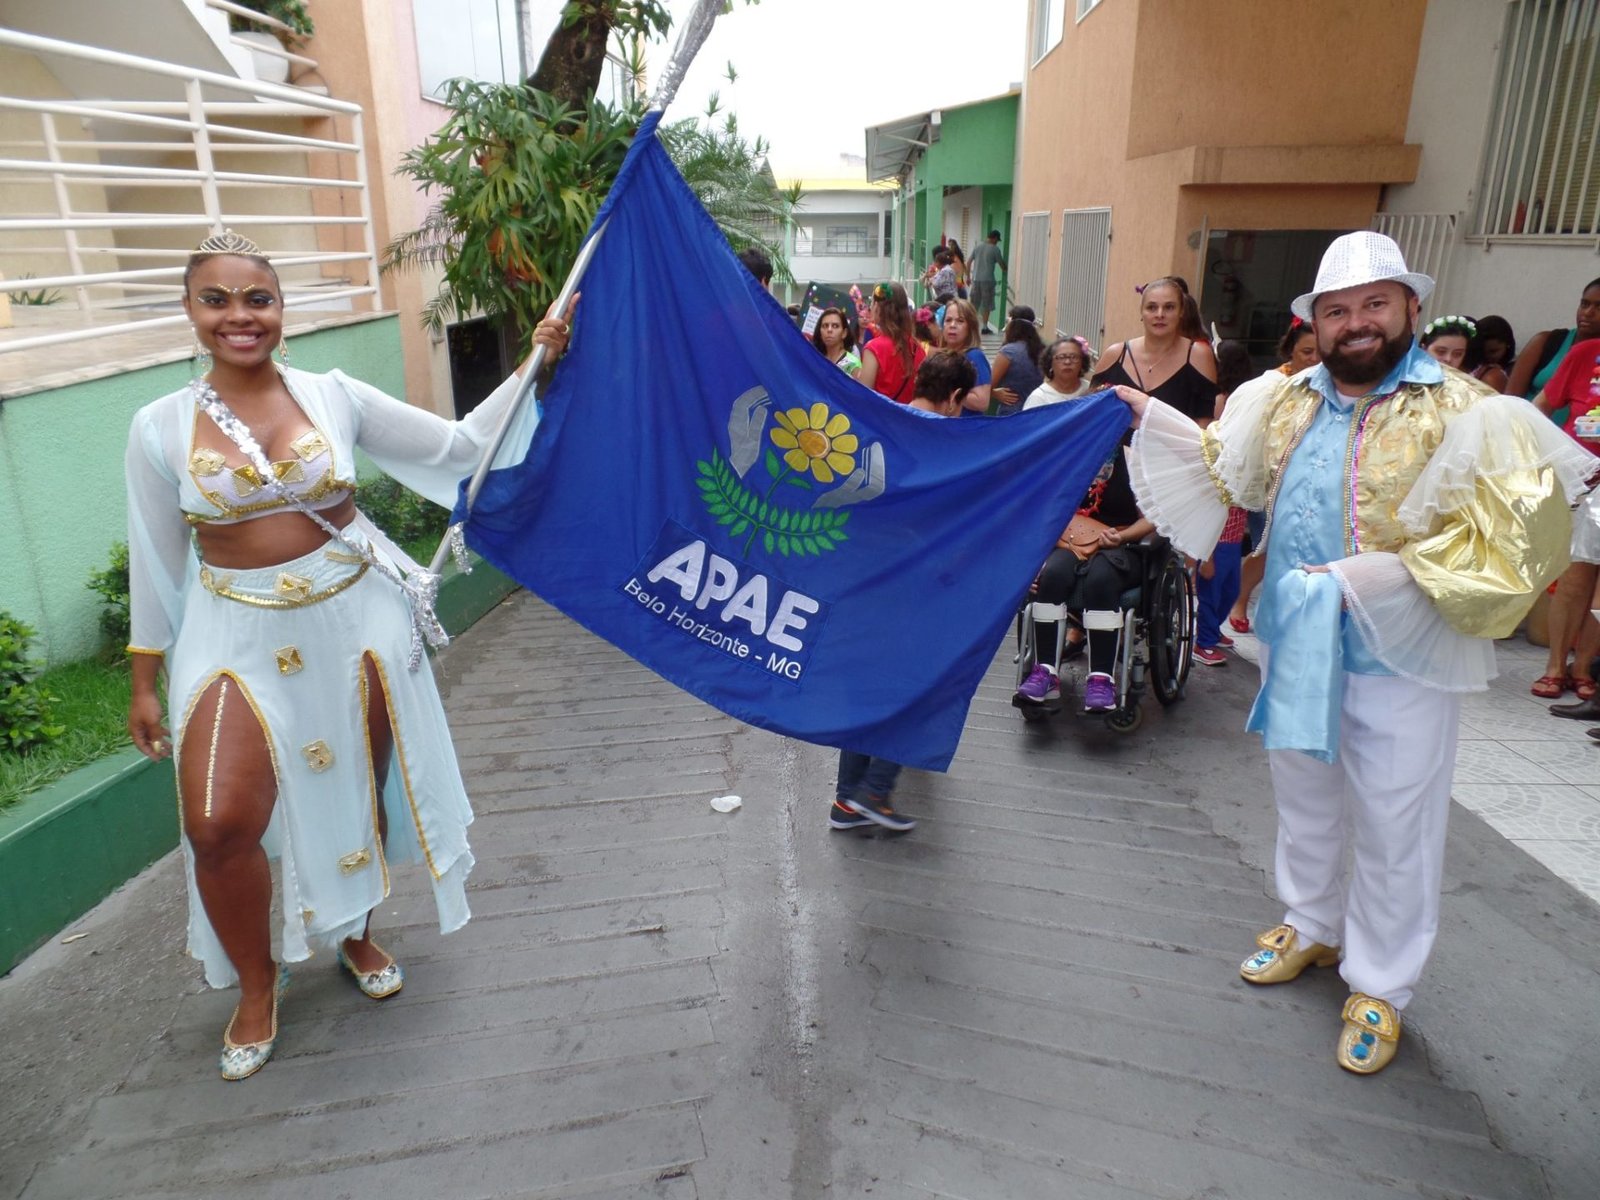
{"x":305,"y":718}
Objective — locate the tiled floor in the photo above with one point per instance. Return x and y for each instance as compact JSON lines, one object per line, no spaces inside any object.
{"x":1533,"y":777}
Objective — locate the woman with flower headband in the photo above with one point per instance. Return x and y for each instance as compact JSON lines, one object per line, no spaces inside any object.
{"x":304,"y":720}
{"x":889,"y":361}
{"x":1448,"y":338}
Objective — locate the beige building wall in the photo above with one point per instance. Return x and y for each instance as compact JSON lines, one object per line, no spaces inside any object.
{"x":367,"y":52}
{"x":1184,"y":115}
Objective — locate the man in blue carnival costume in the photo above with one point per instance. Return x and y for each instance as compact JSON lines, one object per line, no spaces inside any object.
{"x":1412,"y":516}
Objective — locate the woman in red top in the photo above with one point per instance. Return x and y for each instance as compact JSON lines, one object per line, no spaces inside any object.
{"x":889,"y":361}
{"x":1575,"y":386}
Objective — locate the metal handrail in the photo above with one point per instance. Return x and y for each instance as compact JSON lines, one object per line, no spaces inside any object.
{"x":204,"y":127}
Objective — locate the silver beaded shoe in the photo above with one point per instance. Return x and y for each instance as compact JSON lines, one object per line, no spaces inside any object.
{"x":379,"y":984}
{"x":242,"y":1060}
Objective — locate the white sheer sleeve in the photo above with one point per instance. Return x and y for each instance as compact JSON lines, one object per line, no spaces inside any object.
{"x":427,"y":453}
{"x":1187,"y":478}
{"x":1238,"y":440}
{"x":1175,"y":488}
{"x":160,"y":552}
{"x":1403,"y":628}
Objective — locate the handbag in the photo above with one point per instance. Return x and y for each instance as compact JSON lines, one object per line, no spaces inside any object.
{"x":1083,"y":536}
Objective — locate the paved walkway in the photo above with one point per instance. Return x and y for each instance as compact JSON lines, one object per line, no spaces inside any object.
{"x":1033,"y":995}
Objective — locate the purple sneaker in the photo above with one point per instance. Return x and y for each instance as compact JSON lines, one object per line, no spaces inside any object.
{"x":1099,"y":693}
{"x":1040,"y":685}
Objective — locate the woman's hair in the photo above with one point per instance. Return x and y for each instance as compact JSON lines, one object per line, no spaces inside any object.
{"x":894,"y":321}
{"x":1497,"y":329}
{"x":1233,"y":366}
{"x":849,"y":335}
{"x":1021,"y":328}
{"x":970,"y":315}
{"x":944,"y":372}
{"x":1451,"y":326}
{"x":955,"y":249}
{"x":1291,"y":338}
{"x":228,"y":244}
{"x":1047,"y":356}
{"x":1189,"y":323}
{"x":941,"y":258}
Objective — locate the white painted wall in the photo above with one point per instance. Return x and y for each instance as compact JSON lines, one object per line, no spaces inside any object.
{"x":967,"y":203}
{"x":842,"y":206}
{"x":1534,"y":287}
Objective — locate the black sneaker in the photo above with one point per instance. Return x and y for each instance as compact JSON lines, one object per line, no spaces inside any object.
{"x":879,"y":811}
{"x":840,"y":817}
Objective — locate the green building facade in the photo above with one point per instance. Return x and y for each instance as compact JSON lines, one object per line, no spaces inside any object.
{"x":955,"y":168}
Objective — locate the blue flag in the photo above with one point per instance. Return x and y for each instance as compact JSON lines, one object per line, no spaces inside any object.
{"x":714,"y":497}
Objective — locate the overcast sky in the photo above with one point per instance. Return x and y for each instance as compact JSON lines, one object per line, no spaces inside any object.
{"x":813,"y":74}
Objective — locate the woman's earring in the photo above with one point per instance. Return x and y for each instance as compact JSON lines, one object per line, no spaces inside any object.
{"x":200,"y":360}
{"x":283,"y":350}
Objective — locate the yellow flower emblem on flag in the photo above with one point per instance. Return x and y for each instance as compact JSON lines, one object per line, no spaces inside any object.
{"x":814,"y":441}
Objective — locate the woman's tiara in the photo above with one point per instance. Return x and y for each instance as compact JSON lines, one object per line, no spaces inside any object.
{"x":227,"y":242}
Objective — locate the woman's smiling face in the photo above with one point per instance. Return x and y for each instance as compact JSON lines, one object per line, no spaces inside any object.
{"x":236,"y":309}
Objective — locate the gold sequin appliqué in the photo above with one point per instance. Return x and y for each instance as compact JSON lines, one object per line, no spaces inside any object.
{"x":206,"y":462}
{"x":309,"y":444}
{"x":293,"y":587}
{"x":353,"y":862}
{"x":317,"y":755}
{"x":289,"y":660}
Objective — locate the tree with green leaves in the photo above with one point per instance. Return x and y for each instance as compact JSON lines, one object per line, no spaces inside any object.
{"x":518,"y":172}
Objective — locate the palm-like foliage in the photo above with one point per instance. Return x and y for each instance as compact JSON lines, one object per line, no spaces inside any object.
{"x":519,"y":176}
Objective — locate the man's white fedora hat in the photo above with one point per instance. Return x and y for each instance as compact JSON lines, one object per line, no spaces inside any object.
{"x":1360,"y":258}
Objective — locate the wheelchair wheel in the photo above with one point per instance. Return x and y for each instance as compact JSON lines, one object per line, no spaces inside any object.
{"x":1172,"y":621}
{"x":1125,"y":720}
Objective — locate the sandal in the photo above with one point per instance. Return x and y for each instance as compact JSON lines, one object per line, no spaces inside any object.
{"x":1240,"y":624}
{"x":1550,"y":687}
{"x":1582,"y":686}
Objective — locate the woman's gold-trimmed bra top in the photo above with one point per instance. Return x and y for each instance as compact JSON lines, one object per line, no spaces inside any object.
{"x":239,"y":494}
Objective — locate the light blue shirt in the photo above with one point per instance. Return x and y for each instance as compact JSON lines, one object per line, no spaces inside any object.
{"x":1308,"y":516}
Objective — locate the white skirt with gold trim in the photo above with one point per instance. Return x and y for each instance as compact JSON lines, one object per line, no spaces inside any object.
{"x":290,"y":640}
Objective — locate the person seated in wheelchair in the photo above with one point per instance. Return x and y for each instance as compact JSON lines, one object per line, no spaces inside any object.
{"x":1093,"y":563}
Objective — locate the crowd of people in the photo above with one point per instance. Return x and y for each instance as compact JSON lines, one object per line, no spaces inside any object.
{"x":1174,"y":360}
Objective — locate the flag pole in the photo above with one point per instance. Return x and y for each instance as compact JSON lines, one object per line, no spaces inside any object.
{"x":692,"y":36}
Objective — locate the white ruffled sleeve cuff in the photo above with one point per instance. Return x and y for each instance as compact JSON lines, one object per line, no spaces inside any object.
{"x":1403,"y":629}
{"x":1175,"y":489}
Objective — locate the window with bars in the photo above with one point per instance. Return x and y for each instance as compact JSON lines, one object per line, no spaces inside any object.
{"x":1541,"y":174}
{"x":1033,"y":264}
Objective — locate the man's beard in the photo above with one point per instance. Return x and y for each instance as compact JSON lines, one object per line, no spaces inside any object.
{"x":1363,"y":372}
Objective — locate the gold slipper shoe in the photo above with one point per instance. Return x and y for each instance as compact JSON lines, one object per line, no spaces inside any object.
{"x":1371,"y":1034}
{"x":1283,"y":956}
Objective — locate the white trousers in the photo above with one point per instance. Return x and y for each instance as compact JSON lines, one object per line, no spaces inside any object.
{"x":1387,"y":799}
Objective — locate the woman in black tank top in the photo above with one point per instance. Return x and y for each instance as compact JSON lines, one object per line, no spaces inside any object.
{"x":1163,"y":363}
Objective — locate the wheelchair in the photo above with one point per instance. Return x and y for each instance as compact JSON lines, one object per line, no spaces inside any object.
{"x":1155,"y":647}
